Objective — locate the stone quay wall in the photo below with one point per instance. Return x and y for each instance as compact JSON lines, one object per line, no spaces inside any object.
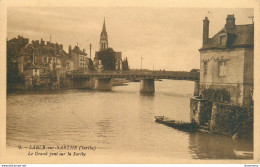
{"x":222,"y":118}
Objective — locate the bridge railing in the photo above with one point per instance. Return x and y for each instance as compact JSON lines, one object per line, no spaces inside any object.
{"x":139,"y":73}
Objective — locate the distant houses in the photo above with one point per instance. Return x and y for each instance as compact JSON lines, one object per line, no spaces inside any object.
{"x":80,"y":59}
{"x":48,"y":62}
{"x":41,"y":64}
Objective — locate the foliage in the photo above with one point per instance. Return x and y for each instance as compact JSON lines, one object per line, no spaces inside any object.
{"x":216,"y":95}
{"x":203,"y":109}
{"x":108,"y":59}
{"x":230,"y":119}
{"x":205,"y":112}
{"x":125,"y":66}
{"x":14,"y":77}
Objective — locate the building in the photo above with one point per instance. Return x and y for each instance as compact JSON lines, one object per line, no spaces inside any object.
{"x":49,"y":61}
{"x":227,"y":61}
{"x":80,"y":59}
{"x":103,"y":46}
{"x":13,"y":48}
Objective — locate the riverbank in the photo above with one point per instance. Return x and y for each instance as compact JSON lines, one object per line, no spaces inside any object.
{"x":21,"y":88}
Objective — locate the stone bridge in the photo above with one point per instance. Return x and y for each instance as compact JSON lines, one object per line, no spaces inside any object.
{"x":103,"y":79}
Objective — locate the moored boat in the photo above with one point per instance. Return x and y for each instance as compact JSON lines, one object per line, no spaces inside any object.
{"x":185,"y":126}
{"x":243,"y":154}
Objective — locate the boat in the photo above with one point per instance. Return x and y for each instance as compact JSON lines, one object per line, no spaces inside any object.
{"x":185,"y":126}
{"x":243,"y":154}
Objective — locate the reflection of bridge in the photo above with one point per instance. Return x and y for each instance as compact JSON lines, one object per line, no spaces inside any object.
{"x":103,"y":79}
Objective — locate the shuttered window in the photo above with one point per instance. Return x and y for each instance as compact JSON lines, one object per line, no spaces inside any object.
{"x":222,"y":68}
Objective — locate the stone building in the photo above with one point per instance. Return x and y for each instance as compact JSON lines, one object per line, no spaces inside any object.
{"x":103,"y":45}
{"x":227,"y":61}
{"x":80,"y":59}
{"x":13,"y":48}
{"x":49,"y":60}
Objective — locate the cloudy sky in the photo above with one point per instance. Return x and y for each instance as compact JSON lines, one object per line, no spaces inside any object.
{"x":167,"y":38}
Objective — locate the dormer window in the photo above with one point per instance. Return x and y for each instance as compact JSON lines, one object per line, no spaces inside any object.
{"x":223,"y":40}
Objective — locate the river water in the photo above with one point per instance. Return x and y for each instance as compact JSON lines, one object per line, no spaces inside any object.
{"x":118,"y":121}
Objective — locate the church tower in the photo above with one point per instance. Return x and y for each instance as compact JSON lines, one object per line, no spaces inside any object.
{"x":103,"y":44}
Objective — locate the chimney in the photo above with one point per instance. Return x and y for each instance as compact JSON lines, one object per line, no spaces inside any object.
{"x":230,"y":22}
{"x":83,"y":50}
{"x":205,"y":30}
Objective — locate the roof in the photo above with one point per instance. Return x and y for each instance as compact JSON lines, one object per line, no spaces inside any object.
{"x":76,"y":49}
{"x":43,"y":50}
{"x":240,"y":36}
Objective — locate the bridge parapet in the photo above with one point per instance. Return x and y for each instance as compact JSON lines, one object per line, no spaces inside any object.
{"x":178,"y":75}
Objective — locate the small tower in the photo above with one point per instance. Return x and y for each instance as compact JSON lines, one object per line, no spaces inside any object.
{"x":103,"y":44}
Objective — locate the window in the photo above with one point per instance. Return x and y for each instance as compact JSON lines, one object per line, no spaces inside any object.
{"x":205,"y":71}
{"x":222,"y":68}
{"x":223,"y":40}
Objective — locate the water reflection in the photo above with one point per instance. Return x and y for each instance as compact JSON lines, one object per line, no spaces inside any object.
{"x":210,"y":146}
{"x":147,"y":94}
{"x":104,"y":133}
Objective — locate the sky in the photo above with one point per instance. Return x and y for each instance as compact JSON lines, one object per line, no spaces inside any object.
{"x":166,"y":38}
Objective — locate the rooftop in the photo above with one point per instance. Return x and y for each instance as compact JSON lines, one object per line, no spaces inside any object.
{"x":239,"y":36}
{"x":76,"y":49}
{"x":49,"y":50}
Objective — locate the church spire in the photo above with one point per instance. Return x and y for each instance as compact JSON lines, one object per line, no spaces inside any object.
{"x":103,"y":37}
{"x":104,"y":26}
{"x":104,"y":31}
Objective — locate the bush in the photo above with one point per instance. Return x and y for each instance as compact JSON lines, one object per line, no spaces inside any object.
{"x":216,"y":95}
{"x":230,"y":119}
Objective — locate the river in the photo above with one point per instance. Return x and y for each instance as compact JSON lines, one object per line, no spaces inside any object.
{"x":118,"y":121}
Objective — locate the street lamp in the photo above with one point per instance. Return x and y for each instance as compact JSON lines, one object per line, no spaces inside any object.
{"x":141,"y":62}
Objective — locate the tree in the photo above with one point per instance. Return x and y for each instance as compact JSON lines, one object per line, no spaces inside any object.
{"x":13,"y":49}
{"x":125,"y":66}
{"x":108,"y":59}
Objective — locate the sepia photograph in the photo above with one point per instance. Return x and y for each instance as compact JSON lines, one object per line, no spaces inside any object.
{"x":129,"y":84}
